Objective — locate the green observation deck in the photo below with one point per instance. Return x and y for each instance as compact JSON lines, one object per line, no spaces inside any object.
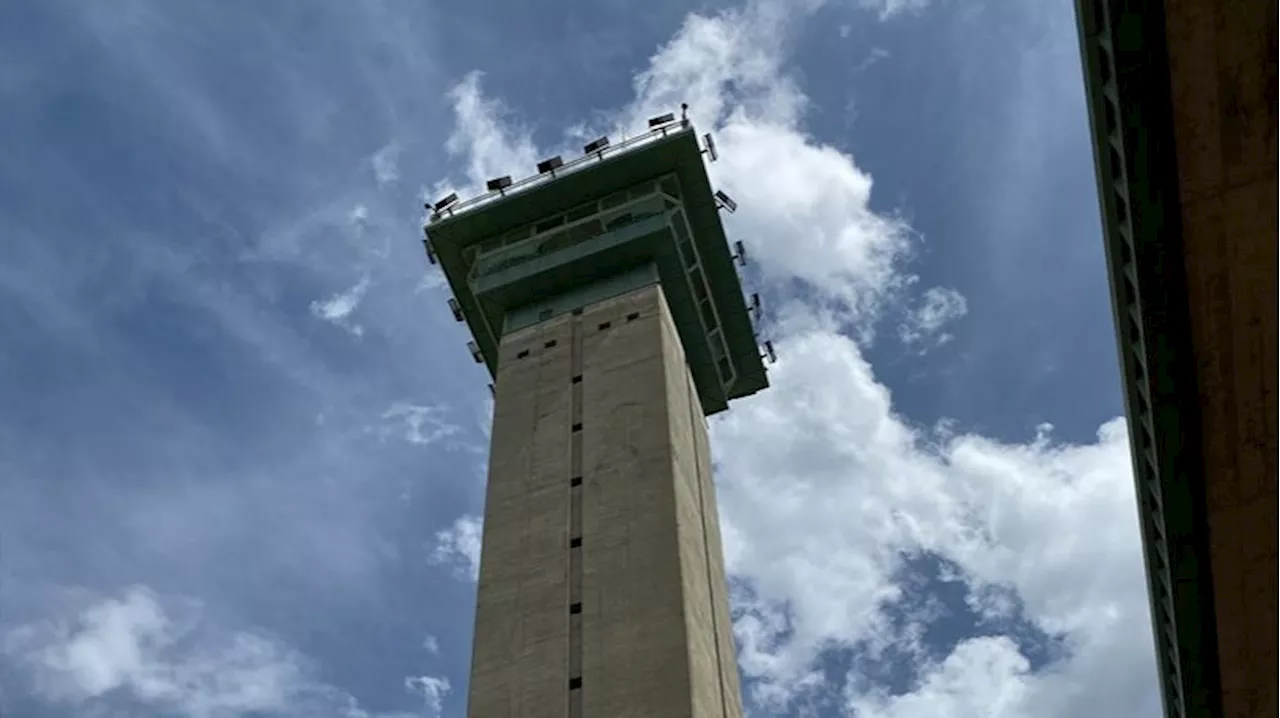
{"x":617,"y":218}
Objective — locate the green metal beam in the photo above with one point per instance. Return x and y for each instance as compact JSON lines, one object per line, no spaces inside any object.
{"x":455,"y":240}
{"x":1126,"y":74}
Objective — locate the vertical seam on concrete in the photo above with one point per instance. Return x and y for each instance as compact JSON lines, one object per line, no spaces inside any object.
{"x":575,"y":510}
{"x":706,"y":544}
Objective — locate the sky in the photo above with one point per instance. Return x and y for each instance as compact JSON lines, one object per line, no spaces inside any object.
{"x":243,"y":444}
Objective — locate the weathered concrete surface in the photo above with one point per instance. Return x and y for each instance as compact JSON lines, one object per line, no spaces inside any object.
{"x":653,"y":636}
{"x":1222,"y":66}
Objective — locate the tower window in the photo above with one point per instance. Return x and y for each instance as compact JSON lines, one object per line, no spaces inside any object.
{"x":604,"y":325}
{"x":550,"y":344}
{"x":575,"y":608}
{"x":577,"y":427}
{"x":523,"y":354}
{"x":577,"y":379}
{"x":633,"y":316}
{"x":575,"y":683}
{"x":575,"y":481}
{"x":575,"y":542}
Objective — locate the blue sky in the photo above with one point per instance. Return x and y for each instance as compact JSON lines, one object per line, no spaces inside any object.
{"x":242,"y":449}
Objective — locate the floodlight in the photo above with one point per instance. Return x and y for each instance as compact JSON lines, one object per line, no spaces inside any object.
{"x":741,"y":255}
{"x":769,"y":353}
{"x":755,"y":304}
{"x":711,"y":146}
{"x":550,"y":165}
{"x":475,"y":352}
{"x":431,"y":254}
{"x":456,"y":309}
{"x":498,"y":184}
{"x":596,"y":146}
{"x":662,"y":120}
{"x":726,"y":201}
{"x":453,"y":197}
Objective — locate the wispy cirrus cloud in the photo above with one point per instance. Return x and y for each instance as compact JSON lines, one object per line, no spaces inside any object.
{"x":922,"y":328}
{"x":338,"y":308}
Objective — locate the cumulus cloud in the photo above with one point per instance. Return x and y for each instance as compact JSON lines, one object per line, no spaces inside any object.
{"x":824,"y":489}
{"x":161,"y":653}
{"x":458,"y":547}
{"x":981,"y":677}
{"x":338,"y":308}
{"x":922,"y":327}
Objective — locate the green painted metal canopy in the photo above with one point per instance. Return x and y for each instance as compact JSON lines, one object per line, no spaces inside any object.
{"x":454,"y":239}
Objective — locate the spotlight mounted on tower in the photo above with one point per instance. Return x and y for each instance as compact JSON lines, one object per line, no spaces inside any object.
{"x":475,"y":352}
{"x":740,"y":253}
{"x":769,"y":353}
{"x":443,"y":204}
{"x":498,"y":184}
{"x":710,"y":150}
{"x":661,"y":120}
{"x":426,"y":244}
{"x":754,"y":307}
{"x":550,"y":164}
{"x":724,"y":201}
{"x":596,"y":146}
{"x":456,"y":309}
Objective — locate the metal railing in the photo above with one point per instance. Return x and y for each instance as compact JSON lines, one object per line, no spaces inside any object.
{"x":567,"y":168}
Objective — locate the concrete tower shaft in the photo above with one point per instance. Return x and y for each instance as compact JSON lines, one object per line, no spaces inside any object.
{"x":604,"y":298}
{"x":602,"y":586}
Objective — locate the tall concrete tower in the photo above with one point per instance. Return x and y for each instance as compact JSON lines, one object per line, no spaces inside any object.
{"x":604,"y":298}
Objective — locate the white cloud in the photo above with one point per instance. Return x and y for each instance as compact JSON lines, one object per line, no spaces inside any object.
{"x":887,"y":9}
{"x":338,"y":308}
{"x":431,"y":689}
{"x":490,"y":146}
{"x":823,"y":487}
{"x":922,"y":327}
{"x":385,"y":164}
{"x":163,"y":654}
{"x":981,"y":677}
{"x":418,"y":424}
{"x":458,"y":547}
